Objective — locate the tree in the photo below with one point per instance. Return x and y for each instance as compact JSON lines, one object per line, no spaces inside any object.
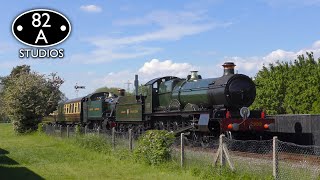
{"x":143,"y":90}
{"x":28,"y":96}
{"x":5,"y":81}
{"x":289,"y":87}
{"x":113,"y":90}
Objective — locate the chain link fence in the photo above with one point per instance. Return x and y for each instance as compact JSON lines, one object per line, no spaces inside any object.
{"x":262,"y":159}
{"x":251,"y":156}
{"x":259,"y":158}
{"x":298,"y":162}
{"x":117,"y":139}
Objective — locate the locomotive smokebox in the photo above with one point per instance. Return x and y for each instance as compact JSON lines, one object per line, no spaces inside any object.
{"x":228,"y":68}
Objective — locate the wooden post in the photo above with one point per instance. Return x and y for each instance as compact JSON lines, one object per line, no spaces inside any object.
{"x":216,"y":156}
{"x":60,"y":130}
{"x":85,"y":129}
{"x":130,"y":139}
{"x":275,"y":158}
{"x":67,"y":131}
{"x":182,"y":150}
{"x":113,"y":139}
{"x":227,"y":156}
{"x":222,"y":159}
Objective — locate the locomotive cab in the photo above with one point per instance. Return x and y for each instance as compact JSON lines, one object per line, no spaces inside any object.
{"x":153,"y":96}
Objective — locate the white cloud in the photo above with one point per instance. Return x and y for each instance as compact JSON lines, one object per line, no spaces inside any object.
{"x":150,"y":69}
{"x":156,"y":67}
{"x":251,"y":65}
{"x":171,"y":26}
{"x":91,"y":8}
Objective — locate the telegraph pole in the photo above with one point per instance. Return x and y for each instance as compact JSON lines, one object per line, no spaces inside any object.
{"x":128,"y":85}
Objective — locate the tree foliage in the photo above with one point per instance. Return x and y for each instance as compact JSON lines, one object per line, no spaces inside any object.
{"x":289,"y":88}
{"x":143,"y":90}
{"x":113,"y":90}
{"x":28,"y":96}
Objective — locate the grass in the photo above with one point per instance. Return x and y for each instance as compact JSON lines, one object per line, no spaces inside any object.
{"x":38,"y":156}
{"x":41,"y":157}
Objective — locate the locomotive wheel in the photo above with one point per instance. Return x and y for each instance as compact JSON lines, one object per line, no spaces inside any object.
{"x":205,"y":142}
{"x":194,"y":139}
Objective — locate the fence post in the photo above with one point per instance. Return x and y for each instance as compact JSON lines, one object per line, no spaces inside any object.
{"x":130,"y":139}
{"x":85,"y":129}
{"x":113,"y":140}
{"x":275,"y":158}
{"x":98,"y":131}
{"x":182,"y":150}
{"x":222,"y":159}
{"x":67,"y":131}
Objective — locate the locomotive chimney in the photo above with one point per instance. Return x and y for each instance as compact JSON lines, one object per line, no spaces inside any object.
{"x":121,"y":92}
{"x":228,"y":68}
{"x":194,"y":75}
{"x":136,"y":84}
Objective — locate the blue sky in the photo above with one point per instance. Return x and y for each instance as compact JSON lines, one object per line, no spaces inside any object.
{"x":113,"y":40}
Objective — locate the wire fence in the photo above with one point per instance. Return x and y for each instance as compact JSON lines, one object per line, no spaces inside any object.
{"x":125,"y":139}
{"x":259,"y":158}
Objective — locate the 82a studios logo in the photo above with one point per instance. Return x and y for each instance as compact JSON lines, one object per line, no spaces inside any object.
{"x":41,"y":29}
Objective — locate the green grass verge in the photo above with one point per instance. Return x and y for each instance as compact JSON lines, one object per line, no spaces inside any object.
{"x":38,"y":156}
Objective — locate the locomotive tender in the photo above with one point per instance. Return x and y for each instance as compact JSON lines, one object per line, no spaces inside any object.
{"x":204,"y":107}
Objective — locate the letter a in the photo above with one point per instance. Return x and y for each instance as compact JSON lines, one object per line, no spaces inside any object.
{"x":41,"y":36}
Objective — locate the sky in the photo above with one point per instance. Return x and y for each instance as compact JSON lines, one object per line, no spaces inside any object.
{"x":111,"y":41}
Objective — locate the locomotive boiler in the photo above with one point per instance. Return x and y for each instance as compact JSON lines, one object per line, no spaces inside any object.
{"x":203,"y":107}
{"x":230,"y":91}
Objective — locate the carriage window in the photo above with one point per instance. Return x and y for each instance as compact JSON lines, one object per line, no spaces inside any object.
{"x":76,"y":107}
{"x":67,"y":108}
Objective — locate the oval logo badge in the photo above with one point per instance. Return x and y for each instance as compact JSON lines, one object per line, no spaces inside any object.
{"x":41,"y":28}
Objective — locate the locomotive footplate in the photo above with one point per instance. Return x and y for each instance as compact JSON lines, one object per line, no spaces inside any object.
{"x":175,"y":113}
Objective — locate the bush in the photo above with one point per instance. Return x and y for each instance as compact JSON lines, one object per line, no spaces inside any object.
{"x":154,"y":147}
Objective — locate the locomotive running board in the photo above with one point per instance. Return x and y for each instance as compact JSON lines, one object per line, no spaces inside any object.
{"x":183,"y":129}
{"x":174,"y":113}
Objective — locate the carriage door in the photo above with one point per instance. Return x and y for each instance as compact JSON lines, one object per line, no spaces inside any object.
{"x":85,"y":110}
